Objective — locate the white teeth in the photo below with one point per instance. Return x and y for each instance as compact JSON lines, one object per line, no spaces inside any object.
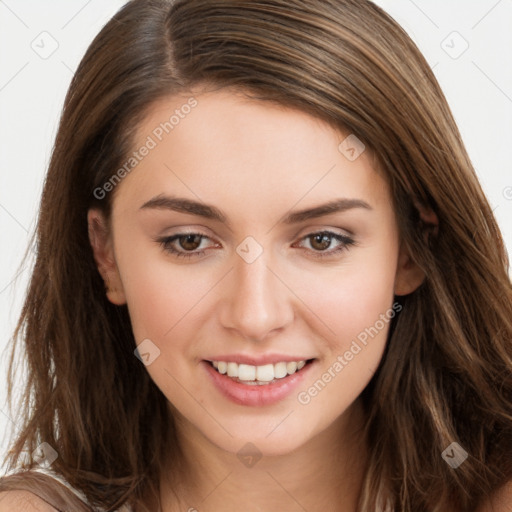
{"x":264,"y":373}
{"x":232,"y":370}
{"x":280,"y":370}
{"x":246,"y":372}
{"x":291,"y":367}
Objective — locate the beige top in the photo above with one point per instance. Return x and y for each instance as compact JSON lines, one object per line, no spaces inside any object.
{"x":76,"y":492}
{"x":381,"y":507}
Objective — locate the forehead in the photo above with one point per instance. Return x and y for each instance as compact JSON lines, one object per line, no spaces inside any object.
{"x":226,"y":147}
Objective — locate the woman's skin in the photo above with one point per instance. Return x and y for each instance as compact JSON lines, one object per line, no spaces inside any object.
{"x":256,"y":163}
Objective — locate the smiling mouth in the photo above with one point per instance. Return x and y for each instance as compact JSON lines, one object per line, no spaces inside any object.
{"x":259,"y":375}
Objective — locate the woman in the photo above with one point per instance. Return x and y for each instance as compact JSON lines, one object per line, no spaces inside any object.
{"x":267,"y":276}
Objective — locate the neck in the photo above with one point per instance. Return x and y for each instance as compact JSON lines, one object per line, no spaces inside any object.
{"x":325,"y":474}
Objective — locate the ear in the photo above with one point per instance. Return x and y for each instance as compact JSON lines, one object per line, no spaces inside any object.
{"x":409,"y":275}
{"x":101,"y":243}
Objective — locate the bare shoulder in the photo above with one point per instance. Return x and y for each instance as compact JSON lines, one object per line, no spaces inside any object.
{"x":500,"y":501}
{"x":23,"y":501}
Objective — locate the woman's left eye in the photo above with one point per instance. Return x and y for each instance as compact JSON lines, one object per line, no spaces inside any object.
{"x":322,"y":240}
{"x":186,"y":245}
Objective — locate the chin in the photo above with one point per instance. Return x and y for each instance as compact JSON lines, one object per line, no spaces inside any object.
{"x":281,"y":439}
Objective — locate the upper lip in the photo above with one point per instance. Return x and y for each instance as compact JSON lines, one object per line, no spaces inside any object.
{"x":258,"y":360}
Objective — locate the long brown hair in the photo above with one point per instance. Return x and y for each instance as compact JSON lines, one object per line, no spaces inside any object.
{"x":446,"y":375}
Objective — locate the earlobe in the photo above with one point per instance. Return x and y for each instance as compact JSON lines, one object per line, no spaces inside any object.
{"x":101,"y":243}
{"x":409,"y":276}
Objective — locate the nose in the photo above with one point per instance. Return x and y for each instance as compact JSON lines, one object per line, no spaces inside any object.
{"x":256,"y":302}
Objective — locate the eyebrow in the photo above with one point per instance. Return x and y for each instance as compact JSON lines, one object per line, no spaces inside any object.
{"x":183,"y":205}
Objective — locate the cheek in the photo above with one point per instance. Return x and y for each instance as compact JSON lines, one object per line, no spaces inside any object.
{"x":164,"y":302}
{"x":162,"y":297}
{"x":349,"y":298}
{"x":354,"y":309}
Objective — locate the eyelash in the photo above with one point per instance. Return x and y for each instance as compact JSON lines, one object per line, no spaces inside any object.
{"x":346,"y":242}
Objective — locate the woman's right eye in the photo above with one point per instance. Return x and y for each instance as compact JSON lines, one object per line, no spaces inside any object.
{"x":183,"y":245}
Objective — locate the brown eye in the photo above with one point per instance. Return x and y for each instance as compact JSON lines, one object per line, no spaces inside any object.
{"x":320,"y":241}
{"x":190,"y":242}
{"x":324,"y":244}
{"x":184,"y":245}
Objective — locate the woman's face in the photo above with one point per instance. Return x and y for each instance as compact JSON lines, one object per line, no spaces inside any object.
{"x":246,"y":234}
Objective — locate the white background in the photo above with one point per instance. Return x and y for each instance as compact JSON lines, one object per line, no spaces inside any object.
{"x":478,"y":86}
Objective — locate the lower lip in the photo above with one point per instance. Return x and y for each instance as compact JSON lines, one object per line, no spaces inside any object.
{"x":246,"y":394}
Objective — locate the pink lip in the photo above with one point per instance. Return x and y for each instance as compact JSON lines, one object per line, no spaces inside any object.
{"x":258,"y":360}
{"x":245,"y":394}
